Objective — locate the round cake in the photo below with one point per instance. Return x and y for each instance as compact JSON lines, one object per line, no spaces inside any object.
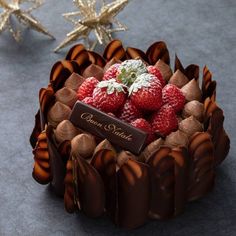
{"x":123,"y":134}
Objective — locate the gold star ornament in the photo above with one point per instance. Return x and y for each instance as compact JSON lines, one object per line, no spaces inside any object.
{"x":13,"y":9}
{"x":103,"y":22}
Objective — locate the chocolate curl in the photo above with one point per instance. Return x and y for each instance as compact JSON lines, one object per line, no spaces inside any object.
{"x":96,"y":59}
{"x":46,"y":100}
{"x":61,"y":71}
{"x":208,"y":86}
{"x":89,"y":188}
{"x":104,"y":161}
{"x":36,"y":131}
{"x":214,"y":119}
{"x":156,"y":51}
{"x":133,"y":53}
{"x":168,"y":171}
{"x":116,"y":50}
{"x":201,"y":170}
{"x":42,"y":171}
{"x":191,"y":71}
{"x":58,"y":167}
{"x":133,"y":194}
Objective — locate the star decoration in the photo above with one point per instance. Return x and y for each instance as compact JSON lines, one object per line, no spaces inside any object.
{"x":13,"y":9}
{"x":99,"y":22}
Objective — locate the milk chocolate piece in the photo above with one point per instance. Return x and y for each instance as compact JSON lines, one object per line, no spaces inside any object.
{"x":93,"y":70}
{"x":100,"y":124}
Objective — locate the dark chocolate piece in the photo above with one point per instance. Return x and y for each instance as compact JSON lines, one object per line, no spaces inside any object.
{"x":100,"y":124}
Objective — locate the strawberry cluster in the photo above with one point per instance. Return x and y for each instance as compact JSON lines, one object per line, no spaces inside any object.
{"x":136,"y":94}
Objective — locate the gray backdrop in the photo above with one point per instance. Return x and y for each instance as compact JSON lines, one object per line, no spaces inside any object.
{"x":199,"y":31}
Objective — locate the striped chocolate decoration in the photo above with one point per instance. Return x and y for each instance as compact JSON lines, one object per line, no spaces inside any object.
{"x":41,"y":171}
{"x":158,"y":51}
{"x":201,"y":169}
{"x":114,"y":50}
{"x":70,"y":202}
{"x":134,"y":53}
{"x":61,"y":71}
{"x":208,"y":86}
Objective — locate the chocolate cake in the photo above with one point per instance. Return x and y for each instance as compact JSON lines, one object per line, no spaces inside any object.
{"x":122,"y":134}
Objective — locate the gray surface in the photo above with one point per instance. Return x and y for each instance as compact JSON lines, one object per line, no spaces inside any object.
{"x":199,"y":31}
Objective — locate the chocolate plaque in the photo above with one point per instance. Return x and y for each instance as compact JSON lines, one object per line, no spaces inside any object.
{"x":100,"y":124}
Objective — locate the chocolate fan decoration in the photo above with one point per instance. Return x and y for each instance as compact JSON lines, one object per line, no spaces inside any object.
{"x":159,"y":182}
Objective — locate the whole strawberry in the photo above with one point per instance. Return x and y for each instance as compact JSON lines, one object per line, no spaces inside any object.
{"x":88,"y":101}
{"x":174,"y":97}
{"x":164,"y":121}
{"x":112,"y":72}
{"x":145,"y":126}
{"x":86,"y":88}
{"x":129,"y":71}
{"x":109,"y":95}
{"x":154,"y":71}
{"x":129,"y":112}
{"x":146,"y":93}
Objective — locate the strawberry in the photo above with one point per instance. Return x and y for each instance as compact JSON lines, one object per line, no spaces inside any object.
{"x":146,"y":93}
{"x":109,"y":95}
{"x":129,"y":112}
{"x":164,"y":121}
{"x":154,"y":71}
{"x":129,"y":70}
{"x":88,"y":101}
{"x":112,"y":72}
{"x":145,"y":126}
{"x":86,"y":88}
{"x":173,"y":96}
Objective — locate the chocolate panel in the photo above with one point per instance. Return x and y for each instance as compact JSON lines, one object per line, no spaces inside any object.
{"x":107,"y":127}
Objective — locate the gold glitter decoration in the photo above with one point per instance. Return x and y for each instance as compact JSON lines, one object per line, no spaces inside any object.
{"x":13,"y":8}
{"x":100,"y":22}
